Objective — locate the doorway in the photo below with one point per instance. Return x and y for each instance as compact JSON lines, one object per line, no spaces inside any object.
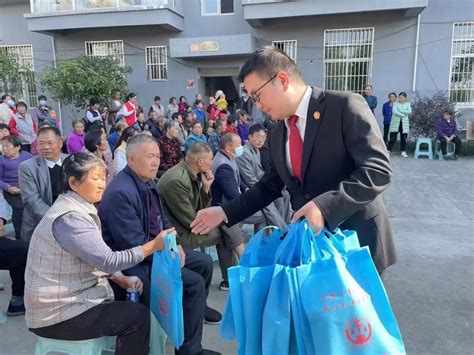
{"x":228,"y":84}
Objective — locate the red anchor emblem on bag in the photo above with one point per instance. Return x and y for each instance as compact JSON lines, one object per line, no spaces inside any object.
{"x":359,"y":331}
{"x":163,"y":307}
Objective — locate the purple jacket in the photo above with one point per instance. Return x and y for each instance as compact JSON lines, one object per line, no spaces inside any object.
{"x":445,"y":128}
{"x":75,"y":143}
{"x":9,"y":170}
{"x":243,"y":130}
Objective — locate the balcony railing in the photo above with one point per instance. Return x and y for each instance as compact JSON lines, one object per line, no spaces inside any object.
{"x":48,"y":6}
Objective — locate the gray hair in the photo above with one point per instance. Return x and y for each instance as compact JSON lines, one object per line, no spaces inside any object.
{"x":171,"y":124}
{"x":78,"y":166}
{"x":228,"y":139}
{"x":135,"y":143}
{"x":76,"y":121}
{"x":196,"y":150}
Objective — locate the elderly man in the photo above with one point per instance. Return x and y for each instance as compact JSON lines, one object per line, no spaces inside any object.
{"x":40,"y":179}
{"x":184,"y":190}
{"x":278,"y":213}
{"x":13,"y":258}
{"x":131,"y":214}
{"x":228,"y":184}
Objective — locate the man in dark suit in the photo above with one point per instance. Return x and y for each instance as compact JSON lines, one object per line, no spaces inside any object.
{"x":326,"y":148}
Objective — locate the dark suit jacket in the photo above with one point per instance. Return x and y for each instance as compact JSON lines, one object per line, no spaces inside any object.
{"x":123,"y":213}
{"x":345,"y":168}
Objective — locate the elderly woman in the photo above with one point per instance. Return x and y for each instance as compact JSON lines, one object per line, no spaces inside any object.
{"x":9,"y":162}
{"x":195,"y":135}
{"x":120,"y":158}
{"x":23,"y":126}
{"x":75,"y":140}
{"x":67,"y":292}
{"x":170,"y":147}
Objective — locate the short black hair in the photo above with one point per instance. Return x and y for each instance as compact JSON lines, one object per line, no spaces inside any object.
{"x":257,"y":127}
{"x":392,"y":93}
{"x":403,"y":93}
{"x":92,"y":140}
{"x":157,"y":98}
{"x":175,"y":115}
{"x":21,"y":104}
{"x":13,"y":140}
{"x":47,"y":129}
{"x":5,"y":96}
{"x":182,"y":97}
{"x":4,"y":126}
{"x":42,"y":97}
{"x":197,"y":102}
{"x":171,"y":99}
{"x":78,"y":165}
{"x":242,"y":112}
{"x":267,"y":61}
{"x":231,"y":119}
{"x":93,"y":101}
{"x":131,"y":96}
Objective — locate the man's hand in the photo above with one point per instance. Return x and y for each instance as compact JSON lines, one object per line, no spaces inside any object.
{"x":13,"y":190}
{"x":2,"y":227}
{"x":182,"y":255}
{"x":207,"y":219}
{"x":313,"y":215}
{"x":207,"y":179}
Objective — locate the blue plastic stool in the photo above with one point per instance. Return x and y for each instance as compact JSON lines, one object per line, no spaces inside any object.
{"x":450,"y":149}
{"x":424,"y":152}
{"x":157,"y":337}
{"x":81,"y":347}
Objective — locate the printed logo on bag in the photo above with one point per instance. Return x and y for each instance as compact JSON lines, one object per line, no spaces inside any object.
{"x":164,"y":307}
{"x":358,"y":331}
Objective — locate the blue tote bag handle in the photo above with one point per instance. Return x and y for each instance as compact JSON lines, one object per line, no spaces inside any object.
{"x":171,"y":250}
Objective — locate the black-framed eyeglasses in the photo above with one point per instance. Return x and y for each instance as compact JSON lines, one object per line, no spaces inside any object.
{"x":256,"y":95}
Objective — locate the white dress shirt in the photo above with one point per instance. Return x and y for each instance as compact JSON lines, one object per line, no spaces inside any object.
{"x":51,"y":164}
{"x":301,"y":112}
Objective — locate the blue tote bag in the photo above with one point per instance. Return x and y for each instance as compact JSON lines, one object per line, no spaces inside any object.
{"x":167,"y":291}
{"x":249,"y":283}
{"x":279,"y":334}
{"x":341,"y":300}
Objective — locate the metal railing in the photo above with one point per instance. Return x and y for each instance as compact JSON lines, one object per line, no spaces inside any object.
{"x":48,"y":6}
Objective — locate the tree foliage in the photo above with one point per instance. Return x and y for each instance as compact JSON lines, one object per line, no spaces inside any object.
{"x":75,"y":81}
{"x":13,"y":75}
{"x":426,"y":112}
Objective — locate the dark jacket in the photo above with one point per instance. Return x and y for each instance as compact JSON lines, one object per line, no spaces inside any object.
{"x":225,"y":186}
{"x":387,"y":113}
{"x":345,"y":168}
{"x":155,"y":130}
{"x":123,"y":213}
{"x":445,"y":128}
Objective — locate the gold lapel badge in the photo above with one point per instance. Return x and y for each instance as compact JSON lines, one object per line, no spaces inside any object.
{"x":316,"y":115}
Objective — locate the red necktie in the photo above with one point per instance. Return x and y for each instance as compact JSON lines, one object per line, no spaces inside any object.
{"x":296,"y":147}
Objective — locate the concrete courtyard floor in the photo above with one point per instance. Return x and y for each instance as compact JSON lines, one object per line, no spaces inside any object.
{"x":431,"y":288}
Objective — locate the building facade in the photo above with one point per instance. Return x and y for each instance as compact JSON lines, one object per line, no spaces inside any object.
{"x":185,"y":47}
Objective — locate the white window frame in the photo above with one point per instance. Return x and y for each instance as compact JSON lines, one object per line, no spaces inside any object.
{"x":155,"y":67}
{"x":349,"y":39}
{"x":458,"y":39}
{"x":120,"y":55}
{"x":290,"y":47}
{"x":25,"y":57}
{"x":218,"y":13}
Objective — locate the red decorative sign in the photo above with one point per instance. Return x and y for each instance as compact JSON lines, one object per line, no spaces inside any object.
{"x":358,"y":331}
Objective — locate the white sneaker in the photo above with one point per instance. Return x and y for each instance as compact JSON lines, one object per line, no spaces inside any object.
{"x":404,"y":155}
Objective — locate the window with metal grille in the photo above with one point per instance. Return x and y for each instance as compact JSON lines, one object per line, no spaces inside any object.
{"x":289,"y":47}
{"x":217,"y":7}
{"x":156,"y":63}
{"x":25,"y":89}
{"x":348,"y":57}
{"x":461,"y":81}
{"x":102,"y":49}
